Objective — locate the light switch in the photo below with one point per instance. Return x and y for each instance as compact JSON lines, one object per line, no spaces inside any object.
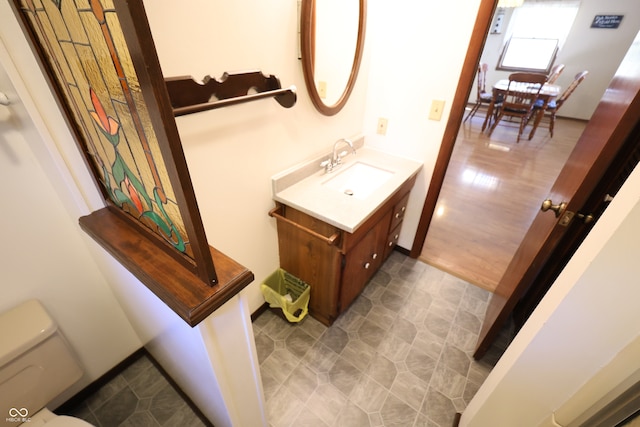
{"x":437,"y":106}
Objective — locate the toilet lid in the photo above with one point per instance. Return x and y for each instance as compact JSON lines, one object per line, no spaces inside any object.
{"x":64,"y":421}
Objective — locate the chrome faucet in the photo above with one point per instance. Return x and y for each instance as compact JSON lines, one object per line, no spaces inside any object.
{"x":336,"y":158}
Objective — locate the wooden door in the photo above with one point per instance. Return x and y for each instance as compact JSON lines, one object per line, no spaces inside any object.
{"x":611,"y":124}
{"x":625,"y":162}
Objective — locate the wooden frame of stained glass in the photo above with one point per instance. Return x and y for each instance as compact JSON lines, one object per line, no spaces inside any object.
{"x":102,"y":64}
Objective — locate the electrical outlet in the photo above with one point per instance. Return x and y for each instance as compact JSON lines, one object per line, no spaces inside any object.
{"x":437,"y":106}
{"x":322,"y":89}
{"x":382,"y":126}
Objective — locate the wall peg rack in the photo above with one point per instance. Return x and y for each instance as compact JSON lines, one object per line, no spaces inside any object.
{"x":189,"y":96}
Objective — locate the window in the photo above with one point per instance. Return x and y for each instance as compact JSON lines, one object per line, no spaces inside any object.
{"x":530,"y":54}
{"x":537,"y":30}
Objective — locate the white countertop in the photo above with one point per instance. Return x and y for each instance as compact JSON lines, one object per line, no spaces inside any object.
{"x":301,"y":187}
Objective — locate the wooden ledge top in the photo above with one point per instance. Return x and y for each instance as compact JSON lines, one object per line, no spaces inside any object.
{"x":186,"y":294}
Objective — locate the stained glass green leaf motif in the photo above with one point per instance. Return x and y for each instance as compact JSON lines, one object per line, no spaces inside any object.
{"x":167,"y":230}
{"x":127,"y":188}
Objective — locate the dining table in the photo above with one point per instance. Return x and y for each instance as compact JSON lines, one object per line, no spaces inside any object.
{"x":548,"y":93}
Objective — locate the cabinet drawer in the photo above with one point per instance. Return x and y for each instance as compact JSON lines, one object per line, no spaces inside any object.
{"x":392,"y":240}
{"x":398,"y":212}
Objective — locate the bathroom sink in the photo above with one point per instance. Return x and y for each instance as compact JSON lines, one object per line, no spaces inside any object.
{"x":348,"y":196}
{"x":359,"y":180}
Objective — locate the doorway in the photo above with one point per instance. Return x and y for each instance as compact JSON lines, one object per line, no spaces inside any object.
{"x":450,"y":177}
{"x":484,"y":208}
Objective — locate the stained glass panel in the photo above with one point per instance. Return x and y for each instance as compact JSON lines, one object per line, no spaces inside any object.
{"x":89,"y":58}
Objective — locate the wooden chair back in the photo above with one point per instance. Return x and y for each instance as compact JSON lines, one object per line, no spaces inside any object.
{"x":520,"y":98}
{"x":569,"y":90}
{"x":555,"y":73}
{"x":554,"y":106}
{"x":483,"y":97}
{"x":522,"y":92}
{"x":482,"y":78}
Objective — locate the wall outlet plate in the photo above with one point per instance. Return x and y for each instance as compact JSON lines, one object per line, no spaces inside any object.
{"x":382,"y":126}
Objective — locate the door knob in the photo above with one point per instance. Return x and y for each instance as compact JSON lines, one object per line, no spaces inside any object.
{"x":548,"y":205}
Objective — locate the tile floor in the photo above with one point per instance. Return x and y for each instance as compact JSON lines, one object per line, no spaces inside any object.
{"x":401,"y":355}
{"x":140,"y":396}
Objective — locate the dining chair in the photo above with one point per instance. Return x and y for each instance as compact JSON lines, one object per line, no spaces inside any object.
{"x":554,"y":105}
{"x":519,"y":98}
{"x":483,"y":97}
{"x":555,"y":73}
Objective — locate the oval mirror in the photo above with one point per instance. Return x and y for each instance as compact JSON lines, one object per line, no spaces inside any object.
{"x":332,"y":41}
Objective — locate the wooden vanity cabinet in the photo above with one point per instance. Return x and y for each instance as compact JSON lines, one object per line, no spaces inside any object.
{"x":335,"y":263}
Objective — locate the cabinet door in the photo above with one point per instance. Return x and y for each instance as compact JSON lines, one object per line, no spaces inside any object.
{"x":312,"y":260}
{"x":362,"y":261}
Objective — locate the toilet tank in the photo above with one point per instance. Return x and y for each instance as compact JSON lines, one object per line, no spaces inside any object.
{"x":36,"y":363}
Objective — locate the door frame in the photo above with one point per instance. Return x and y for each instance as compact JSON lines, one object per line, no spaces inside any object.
{"x":606,"y":141}
{"x":506,"y":296}
{"x":479,"y":35}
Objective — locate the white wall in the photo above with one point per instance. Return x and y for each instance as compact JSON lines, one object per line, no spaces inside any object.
{"x":594,"y":49}
{"x":44,"y":256}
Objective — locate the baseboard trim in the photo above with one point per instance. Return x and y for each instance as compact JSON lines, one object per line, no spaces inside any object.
{"x":182,"y":394}
{"x":83,"y":394}
{"x":264,"y":307}
{"x":403,"y":251}
{"x":90,"y":389}
{"x":456,"y":419}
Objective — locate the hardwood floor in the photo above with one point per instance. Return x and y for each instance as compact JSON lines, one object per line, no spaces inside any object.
{"x":491,"y":193}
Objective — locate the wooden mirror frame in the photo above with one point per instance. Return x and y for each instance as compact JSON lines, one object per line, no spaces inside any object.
{"x":307,"y":40}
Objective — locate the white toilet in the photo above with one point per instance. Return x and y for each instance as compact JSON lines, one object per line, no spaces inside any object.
{"x":36,"y":365}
